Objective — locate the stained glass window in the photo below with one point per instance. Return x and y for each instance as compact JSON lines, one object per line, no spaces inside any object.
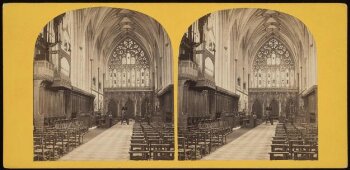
{"x":273,"y":59}
{"x":130,"y":65}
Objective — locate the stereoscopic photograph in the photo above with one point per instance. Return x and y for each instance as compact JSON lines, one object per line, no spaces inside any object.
{"x":103,"y":88}
{"x":247,"y":88}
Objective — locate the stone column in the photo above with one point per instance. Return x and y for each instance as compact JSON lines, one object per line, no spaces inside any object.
{"x":38,"y":116}
{"x":70,"y":102}
{"x":250,"y":104}
{"x":63,"y":107}
{"x":180,"y":99}
{"x":119,"y":108}
{"x":279,"y":108}
{"x":135,"y":107}
{"x":263,"y":107}
{"x":206,"y":98}
{"x":105,"y":103}
{"x":140,"y":103}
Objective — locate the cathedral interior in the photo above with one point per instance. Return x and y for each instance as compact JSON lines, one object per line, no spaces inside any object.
{"x":103,"y":88}
{"x":105,"y":71}
{"x":238,"y":70}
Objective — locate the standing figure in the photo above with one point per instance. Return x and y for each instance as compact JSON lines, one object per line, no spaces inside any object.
{"x":148,"y":113}
{"x":149,"y":119}
{"x":123,"y":115}
{"x":267,"y":116}
{"x":97,"y":119}
{"x":110,"y":118}
{"x":126,"y":116}
{"x":271,"y":120}
{"x":254,"y":118}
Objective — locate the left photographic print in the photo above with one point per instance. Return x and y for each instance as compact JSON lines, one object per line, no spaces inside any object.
{"x":103,"y":88}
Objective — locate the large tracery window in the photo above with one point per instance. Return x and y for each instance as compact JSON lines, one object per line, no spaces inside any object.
{"x":273,"y":66}
{"x":129,"y":66}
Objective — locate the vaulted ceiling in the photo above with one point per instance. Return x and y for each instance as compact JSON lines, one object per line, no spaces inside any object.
{"x":106,"y":27}
{"x":253,"y":27}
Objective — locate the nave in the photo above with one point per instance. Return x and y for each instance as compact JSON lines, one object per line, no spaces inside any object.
{"x":279,"y":141}
{"x":247,"y":66}
{"x":253,"y":145}
{"x":112,"y":144}
{"x":133,"y":141}
{"x":93,"y":68}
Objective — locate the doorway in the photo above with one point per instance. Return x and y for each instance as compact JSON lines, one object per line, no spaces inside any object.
{"x":130,"y":108}
{"x":144,"y":107}
{"x":257,"y":109}
{"x":274,"y":108}
{"x":113,"y":108}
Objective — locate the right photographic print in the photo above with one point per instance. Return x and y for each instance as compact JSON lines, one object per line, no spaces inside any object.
{"x":247,"y":88}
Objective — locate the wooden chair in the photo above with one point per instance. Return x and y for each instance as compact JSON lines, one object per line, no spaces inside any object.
{"x":305,"y":155}
{"x":279,"y":155}
{"x":139,"y":155}
{"x":203,"y":143}
{"x":279,"y":141}
{"x":62,"y":142}
{"x":163,"y":155}
{"x":161,"y":152}
{"x":279,"y":147}
{"x":40,"y":151}
{"x":184,"y":152}
{"x":73,"y":139}
{"x":50,"y":145}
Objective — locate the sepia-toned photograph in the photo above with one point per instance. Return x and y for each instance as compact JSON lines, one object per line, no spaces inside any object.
{"x":247,"y":88}
{"x":103,"y":88}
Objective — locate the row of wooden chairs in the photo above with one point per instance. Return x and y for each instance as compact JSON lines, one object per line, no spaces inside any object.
{"x":51,"y":143}
{"x":293,"y":142}
{"x":194,"y":143}
{"x":152,"y":142}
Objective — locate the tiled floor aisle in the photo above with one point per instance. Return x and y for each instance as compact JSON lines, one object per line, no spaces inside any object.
{"x":112,"y":144}
{"x":253,"y":145}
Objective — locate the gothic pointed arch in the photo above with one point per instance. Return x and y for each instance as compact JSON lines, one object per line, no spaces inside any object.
{"x":274,"y":108}
{"x":257,"y":108}
{"x":273,"y":66}
{"x":129,"y":66}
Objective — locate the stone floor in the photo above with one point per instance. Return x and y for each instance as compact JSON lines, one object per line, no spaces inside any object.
{"x":252,"y":145}
{"x":92,"y":133}
{"x":112,"y":144}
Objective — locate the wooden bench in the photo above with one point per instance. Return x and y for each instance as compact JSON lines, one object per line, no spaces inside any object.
{"x":168,"y":139}
{"x":310,"y":141}
{"x":138,"y":134}
{"x":305,"y":148}
{"x":305,"y":155}
{"x":279,"y":137}
{"x":138,"y":141}
{"x":163,"y":155}
{"x":139,"y":147}
{"x":279,"y":147}
{"x":279,"y":155}
{"x":160,"y":147}
{"x":184,"y":154}
{"x":154,"y":140}
{"x":301,"y":148}
{"x":139,"y":155}
{"x":279,"y":141}
{"x":138,"y":137}
{"x":152,"y":134}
